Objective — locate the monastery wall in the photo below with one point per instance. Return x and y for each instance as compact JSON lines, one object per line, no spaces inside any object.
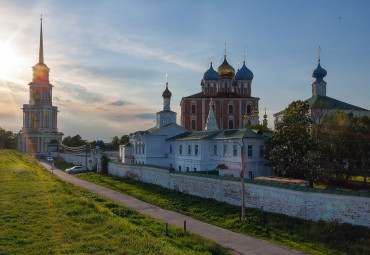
{"x":302,"y":204}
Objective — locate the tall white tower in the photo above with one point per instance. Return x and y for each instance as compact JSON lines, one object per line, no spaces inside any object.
{"x":39,"y":115}
{"x":166,"y":116}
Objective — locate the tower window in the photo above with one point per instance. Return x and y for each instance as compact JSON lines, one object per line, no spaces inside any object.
{"x":231,"y":124}
{"x":193,"y":108}
{"x":248,"y":109}
{"x":231,"y":109}
{"x":192,"y":124}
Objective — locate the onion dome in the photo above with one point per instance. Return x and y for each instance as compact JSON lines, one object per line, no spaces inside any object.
{"x":225,"y":70}
{"x":167,"y":93}
{"x":210,"y":74}
{"x":319,"y":73}
{"x":244,"y":73}
{"x":97,"y":143}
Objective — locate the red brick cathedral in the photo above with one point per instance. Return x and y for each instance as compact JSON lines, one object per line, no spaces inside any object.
{"x":232,"y":101}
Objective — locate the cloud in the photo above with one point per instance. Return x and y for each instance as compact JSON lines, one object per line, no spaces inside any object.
{"x":14,"y":87}
{"x":80,"y":93}
{"x":101,"y":108}
{"x":145,"y":115}
{"x":124,"y":45}
{"x":119,"y":103}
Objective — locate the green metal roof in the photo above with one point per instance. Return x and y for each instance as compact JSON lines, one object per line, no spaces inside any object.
{"x":331,"y":103}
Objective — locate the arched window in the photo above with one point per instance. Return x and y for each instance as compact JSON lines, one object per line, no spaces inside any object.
{"x":248,"y":109}
{"x":193,"y":124}
{"x":231,"y":124}
{"x":231,"y":108}
{"x":193,"y":108}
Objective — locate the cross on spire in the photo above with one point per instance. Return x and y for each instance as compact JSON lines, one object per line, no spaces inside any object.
{"x":319,"y":51}
{"x":211,"y":58}
{"x":167,"y":80}
{"x":238,"y":64}
{"x":243,"y":56}
{"x":225,"y":51}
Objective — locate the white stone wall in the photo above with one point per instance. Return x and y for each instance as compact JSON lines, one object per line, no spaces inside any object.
{"x":305,"y":205}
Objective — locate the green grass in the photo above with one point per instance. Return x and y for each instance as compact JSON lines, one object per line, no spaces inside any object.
{"x":62,"y":165}
{"x":308,"y":236}
{"x":41,"y":214}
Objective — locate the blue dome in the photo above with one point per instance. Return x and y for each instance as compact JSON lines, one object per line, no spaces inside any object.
{"x":243,"y":74}
{"x":319,"y":73}
{"x":97,"y":143}
{"x":211,"y":74}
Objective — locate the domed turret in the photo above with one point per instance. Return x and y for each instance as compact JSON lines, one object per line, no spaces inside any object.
{"x":319,"y":73}
{"x":166,"y":93}
{"x":319,"y":85}
{"x":210,"y":74}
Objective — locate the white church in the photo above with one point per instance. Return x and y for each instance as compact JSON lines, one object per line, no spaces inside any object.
{"x":170,"y":145}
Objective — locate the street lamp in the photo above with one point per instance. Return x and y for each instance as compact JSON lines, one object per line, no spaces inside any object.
{"x":242,"y":173}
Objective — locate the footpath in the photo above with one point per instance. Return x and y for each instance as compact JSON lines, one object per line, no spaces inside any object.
{"x":236,"y":242}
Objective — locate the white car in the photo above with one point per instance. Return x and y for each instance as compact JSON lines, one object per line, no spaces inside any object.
{"x":76,"y":169}
{"x":49,"y":159}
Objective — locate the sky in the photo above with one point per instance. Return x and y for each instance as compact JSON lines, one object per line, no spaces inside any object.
{"x":109,"y":59}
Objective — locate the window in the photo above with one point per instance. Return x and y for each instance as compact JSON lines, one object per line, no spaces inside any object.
{"x":180,"y":168}
{"x":193,"y":108}
{"x":192,"y":124}
{"x":250,"y":151}
{"x":231,"y":108}
{"x":170,"y":165}
{"x":225,"y":149}
{"x":214,"y":149}
{"x":248,"y":109}
{"x":180,"y":149}
{"x":143,"y":148}
{"x":235,"y":150}
{"x":262,"y":150}
{"x":196,"y":149}
{"x":170,"y":149}
{"x":189,"y":149}
{"x":195,"y":169}
{"x":187,"y":169}
{"x":231,"y":124}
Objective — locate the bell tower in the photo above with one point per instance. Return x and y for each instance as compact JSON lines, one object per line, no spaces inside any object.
{"x":39,"y":115}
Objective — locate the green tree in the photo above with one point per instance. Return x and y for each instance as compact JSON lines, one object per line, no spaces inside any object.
{"x":115,"y":143}
{"x":8,"y":139}
{"x":290,"y":151}
{"x":260,"y":127}
{"x":124,"y":140}
{"x":343,"y":141}
{"x":74,"y":141}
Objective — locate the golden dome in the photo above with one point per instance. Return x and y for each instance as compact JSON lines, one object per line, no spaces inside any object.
{"x":225,"y":70}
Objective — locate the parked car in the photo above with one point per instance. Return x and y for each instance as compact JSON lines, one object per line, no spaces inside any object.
{"x":49,"y":158}
{"x":76,"y":169}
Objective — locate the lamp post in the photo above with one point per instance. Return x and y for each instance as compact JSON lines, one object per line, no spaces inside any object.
{"x":242,"y":174}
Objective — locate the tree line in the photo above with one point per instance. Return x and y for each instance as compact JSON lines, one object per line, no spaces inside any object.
{"x":320,"y":147}
{"x":75,"y":141}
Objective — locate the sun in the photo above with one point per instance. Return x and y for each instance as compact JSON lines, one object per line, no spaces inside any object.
{"x":9,"y":61}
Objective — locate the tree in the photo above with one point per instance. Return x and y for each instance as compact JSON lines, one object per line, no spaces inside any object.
{"x":260,"y":127}
{"x":124,"y":140}
{"x":343,"y":141}
{"x":115,"y":143}
{"x":74,"y":141}
{"x":8,"y":139}
{"x":291,"y":151}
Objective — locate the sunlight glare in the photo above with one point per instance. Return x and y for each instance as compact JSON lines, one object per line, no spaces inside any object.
{"x":9,"y":61}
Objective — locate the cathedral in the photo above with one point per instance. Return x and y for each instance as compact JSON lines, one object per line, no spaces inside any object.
{"x":228,"y":93}
{"x":40,"y":127}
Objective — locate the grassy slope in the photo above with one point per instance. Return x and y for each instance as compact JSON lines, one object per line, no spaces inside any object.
{"x":317,"y":238}
{"x":41,"y":214}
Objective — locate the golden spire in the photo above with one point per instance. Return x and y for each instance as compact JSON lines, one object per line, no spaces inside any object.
{"x":238,"y":64}
{"x":41,"y":50}
{"x":319,"y":51}
{"x":265,"y":116}
{"x":211,"y":102}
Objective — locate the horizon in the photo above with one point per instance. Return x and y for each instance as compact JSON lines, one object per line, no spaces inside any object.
{"x":108,"y":61}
